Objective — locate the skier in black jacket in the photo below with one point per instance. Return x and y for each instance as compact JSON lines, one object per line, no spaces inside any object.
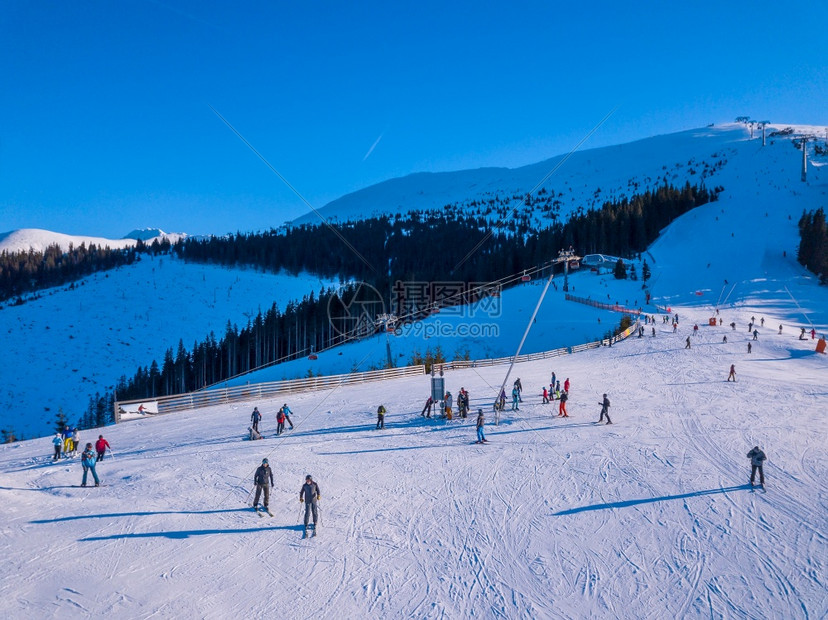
{"x":263,"y":478}
{"x":605,"y":405}
{"x":757,"y":458}
{"x":309,"y":494}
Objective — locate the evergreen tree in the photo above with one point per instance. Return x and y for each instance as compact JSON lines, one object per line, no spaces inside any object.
{"x":620,"y":271}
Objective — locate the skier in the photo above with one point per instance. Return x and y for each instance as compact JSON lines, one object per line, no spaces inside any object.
{"x":757,"y":458}
{"x":653,"y":332}
{"x":566,"y":386}
{"x":695,"y":330}
{"x":427,"y":409}
{"x":558,"y":389}
{"x":255,"y":417}
{"x":562,"y":407}
{"x":309,"y":494}
{"x":552,"y":382}
{"x":732,"y":375}
{"x":88,"y":462}
{"x":762,"y":321}
{"x":502,"y":399}
{"x":100,"y":447}
{"x":687,"y":346}
{"x":605,"y":405}
{"x":724,"y":340}
{"x":67,"y":442}
{"x":57,"y":441}
{"x":463,"y":402}
{"x":755,"y":335}
{"x":448,"y":399}
{"x":545,"y":396}
{"x":813,"y":333}
{"x":780,"y":329}
{"x":380,"y":417}
{"x":280,"y":421}
{"x":263,"y":479}
{"x":286,"y":410}
{"x":515,"y":399}
{"x":519,"y":388}
{"x":749,"y":347}
{"x":75,"y":441}
{"x":733,"y":326}
{"x":481,"y":436}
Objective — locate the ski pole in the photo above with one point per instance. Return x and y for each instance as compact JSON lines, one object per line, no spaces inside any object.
{"x":247,"y":499}
{"x":112,"y":454}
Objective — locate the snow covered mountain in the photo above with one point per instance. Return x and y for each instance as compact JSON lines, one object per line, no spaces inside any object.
{"x":587,"y":178}
{"x":24,"y":239}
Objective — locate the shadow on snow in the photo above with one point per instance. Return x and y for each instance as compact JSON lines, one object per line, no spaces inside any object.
{"x":649,"y":500}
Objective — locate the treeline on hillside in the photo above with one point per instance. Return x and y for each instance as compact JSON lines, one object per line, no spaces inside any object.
{"x":412,"y":248}
{"x":26,"y":272}
{"x":813,"y":243}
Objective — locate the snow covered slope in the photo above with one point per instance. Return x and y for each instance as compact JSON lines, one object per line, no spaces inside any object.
{"x":717,"y":155}
{"x":38,"y":240}
{"x":555,"y":518}
{"x":78,"y":340}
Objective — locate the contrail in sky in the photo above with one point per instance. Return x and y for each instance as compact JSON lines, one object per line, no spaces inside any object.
{"x":373,"y":146}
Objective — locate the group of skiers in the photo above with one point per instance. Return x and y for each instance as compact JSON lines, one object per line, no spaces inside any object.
{"x":282,"y":416}
{"x":68,"y":442}
{"x":308,"y":494}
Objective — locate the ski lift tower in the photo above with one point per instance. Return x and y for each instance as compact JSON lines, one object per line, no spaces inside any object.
{"x":804,"y":143}
{"x":565,"y":257}
{"x":389,"y":324}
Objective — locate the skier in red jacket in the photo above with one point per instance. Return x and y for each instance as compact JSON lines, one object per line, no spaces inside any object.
{"x":100,"y":447}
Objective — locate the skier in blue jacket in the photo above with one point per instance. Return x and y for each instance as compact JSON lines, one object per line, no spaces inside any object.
{"x":88,"y":459}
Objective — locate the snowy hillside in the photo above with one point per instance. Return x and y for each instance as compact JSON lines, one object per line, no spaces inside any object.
{"x":718,"y":155}
{"x":38,"y":240}
{"x":78,"y":340}
{"x":554,"y":518}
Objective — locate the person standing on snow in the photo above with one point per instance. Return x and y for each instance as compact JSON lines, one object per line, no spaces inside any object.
{"x":732,"y":375}
{"x":448,"y":399}
{"x":67,"y":441}
{"x":380,"y":417}
{"x":75,"y":441}
{"x":515,"y":399}
{"x":605,"y":405}
{"x":552,"y":382}
{"x":566,"y":385}
{"x":263,"y":479}
{"x":757,"y":459}
{"x":750,"y":347}
{"x":519,"y":388}
{"x":57,"y":442}
{"x":309,"y":494}
{"x":755,"y":335}
{"x":88,"y":462}
{"x":545,"y":396}
{"x":280,"y":421}
{"x":255,"y":417}
{"x":562,"y":407}
{"x":286,"y":410}
{"x":481,"y":435}
{"x":687,"y":346}
{"x":100,"y":447}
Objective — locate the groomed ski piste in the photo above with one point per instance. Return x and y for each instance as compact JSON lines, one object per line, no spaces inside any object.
{"x":650,"y":517}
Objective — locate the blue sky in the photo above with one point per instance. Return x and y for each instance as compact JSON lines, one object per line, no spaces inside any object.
{"x":107,"y":126}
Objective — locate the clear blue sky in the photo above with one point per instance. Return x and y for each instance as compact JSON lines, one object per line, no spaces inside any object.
{"x":106,"y":124}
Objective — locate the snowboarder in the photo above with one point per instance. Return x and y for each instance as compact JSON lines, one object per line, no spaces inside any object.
{"x":545,"y":396}
{"x":88,"y":462}
{"x":515,"y":399}
{"x":286,"y":410}
{"x":263,"y":479}
{"x":757,"y":458}
{"x":427,"y":409}
{"x":802,"y":334}
{"x":562,"y":407}
{"x":280,"y":421}
{"x":253,"y":434}
{"x":732,"y":375}
{"x":605,"y":405}
{"x":380,"y":417}
{"x":57,"y":441}
{"x":100,"y":447}
{"x":255,"y":417}
{"x":750,"y":347}
{"x":687,"y":346}
{"x":519,"y":387}
{"x":481,"y":436}
{"x":309,"y":494}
